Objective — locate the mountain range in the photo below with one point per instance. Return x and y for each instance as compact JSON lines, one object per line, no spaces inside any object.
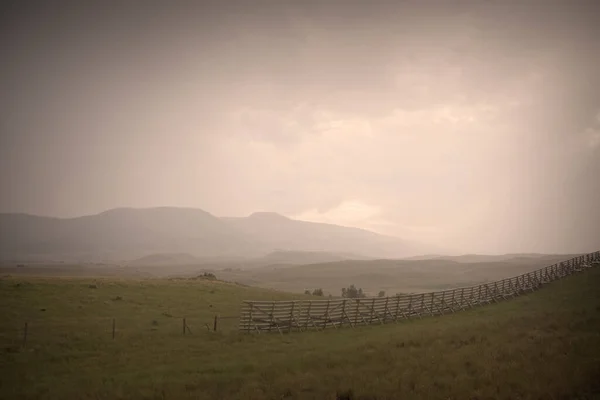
{"x":129,"y":233}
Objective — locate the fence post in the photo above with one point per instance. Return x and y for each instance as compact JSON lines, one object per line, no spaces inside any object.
{"x":215,"y":323}
{"x":326,"y":319}
{"x":250,"y":318}
{"x":431,"y":306}
{"x":291,"y":316}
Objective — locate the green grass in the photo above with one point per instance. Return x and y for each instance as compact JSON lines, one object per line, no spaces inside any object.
{"x":545,"y":345}
{"x":56,"y":306}
{"x":392,"y":276}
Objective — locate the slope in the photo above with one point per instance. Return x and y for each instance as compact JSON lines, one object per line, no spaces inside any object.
{"x":392,"y":276}
{"x":283,"y":233}
{"x":127,"y":234}
{"x":541,"y":346}
{"x":122,"y":233}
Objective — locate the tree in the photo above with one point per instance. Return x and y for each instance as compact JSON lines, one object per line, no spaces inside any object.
{"x":209,"y":276}
{"x":307,"y":291}
{"x":352,"y":292}
{"x":317,"y":292}
{"x":381,"y":293}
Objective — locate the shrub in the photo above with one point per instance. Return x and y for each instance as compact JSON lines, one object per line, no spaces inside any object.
{"x":353,"y":293}
{"x":209,"y":276}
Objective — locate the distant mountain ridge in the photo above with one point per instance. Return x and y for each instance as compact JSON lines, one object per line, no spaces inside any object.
{"x":487,"y":258}
{"x":132,"y":233}
{"x":275,"y":258}
{"x":119,"y":234}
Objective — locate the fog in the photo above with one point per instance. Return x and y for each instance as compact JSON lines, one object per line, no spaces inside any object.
{"x":473,"y":125}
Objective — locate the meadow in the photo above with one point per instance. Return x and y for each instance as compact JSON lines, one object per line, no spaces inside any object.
{"x":545,"y":345}
{"x":391,"y":276}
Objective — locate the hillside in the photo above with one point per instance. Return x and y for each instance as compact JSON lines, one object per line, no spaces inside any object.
{"x":129,"y":234}
{"x":483,"y":258}
{"x":279,"y":257}
{"x":118,"y":234}
{"x":392,"y":276}
{"x":292,"y":235}
{"x":165,"y":259}
{"x":541,"y":346}
{"x":307,"y":257}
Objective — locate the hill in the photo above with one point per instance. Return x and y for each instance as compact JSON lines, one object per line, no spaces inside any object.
{"x":292,"y":235}
{"x":541,"y":346}
{"x":392,"y":276}
{"x":123,"y":233}
{"x":307,"y":257}
{"x":482,"y":258}
{"x":165,"y":259}
{"x":129,"y":234}
{"x":279,"y":257}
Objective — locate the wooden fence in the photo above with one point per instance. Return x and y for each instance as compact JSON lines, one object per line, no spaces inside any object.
{"x":302,"y":315}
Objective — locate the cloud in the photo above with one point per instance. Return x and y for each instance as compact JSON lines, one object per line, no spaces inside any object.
{"x":348,"y":213}
{"x":281,"y":127}
{"x":460,"y":122}
{"x":588,"y":138}
{"x":419,"y":167}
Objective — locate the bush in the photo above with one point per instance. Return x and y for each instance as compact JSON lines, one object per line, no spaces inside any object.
{"x":209,"y":276}
{"x":353,"y":293}
{"x":316,"y":292}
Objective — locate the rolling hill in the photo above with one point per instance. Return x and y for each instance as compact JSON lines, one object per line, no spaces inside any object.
{"x":544,"y":345}
{"x":128,"y":234}
{"x":279,"y":257}
{"x":392,"y":276}
{"x":121,"y":233}
{"x":292,"y":235}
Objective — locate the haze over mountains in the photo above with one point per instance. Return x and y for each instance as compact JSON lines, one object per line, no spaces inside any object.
{"x":128,"y":234}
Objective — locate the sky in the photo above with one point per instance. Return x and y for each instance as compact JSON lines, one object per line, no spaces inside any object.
{"x":474,"y":125}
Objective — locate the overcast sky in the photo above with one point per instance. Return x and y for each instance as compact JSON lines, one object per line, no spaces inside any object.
{"x":470,"y":124}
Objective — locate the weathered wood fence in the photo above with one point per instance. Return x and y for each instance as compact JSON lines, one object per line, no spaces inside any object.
{"x":302,"y":315}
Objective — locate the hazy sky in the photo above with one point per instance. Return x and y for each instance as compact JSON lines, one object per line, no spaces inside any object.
{"x":471,"y":124}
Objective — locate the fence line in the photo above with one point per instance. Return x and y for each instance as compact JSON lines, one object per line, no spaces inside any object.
{"x":116,"y":329}
{"x":302,"y":315}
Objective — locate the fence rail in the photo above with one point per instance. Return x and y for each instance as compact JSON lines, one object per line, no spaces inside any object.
{"x":303,"y":315}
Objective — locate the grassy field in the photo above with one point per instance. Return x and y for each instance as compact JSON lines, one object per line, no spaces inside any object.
{"x":392,"y":276}
{"x":545,"y":345}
